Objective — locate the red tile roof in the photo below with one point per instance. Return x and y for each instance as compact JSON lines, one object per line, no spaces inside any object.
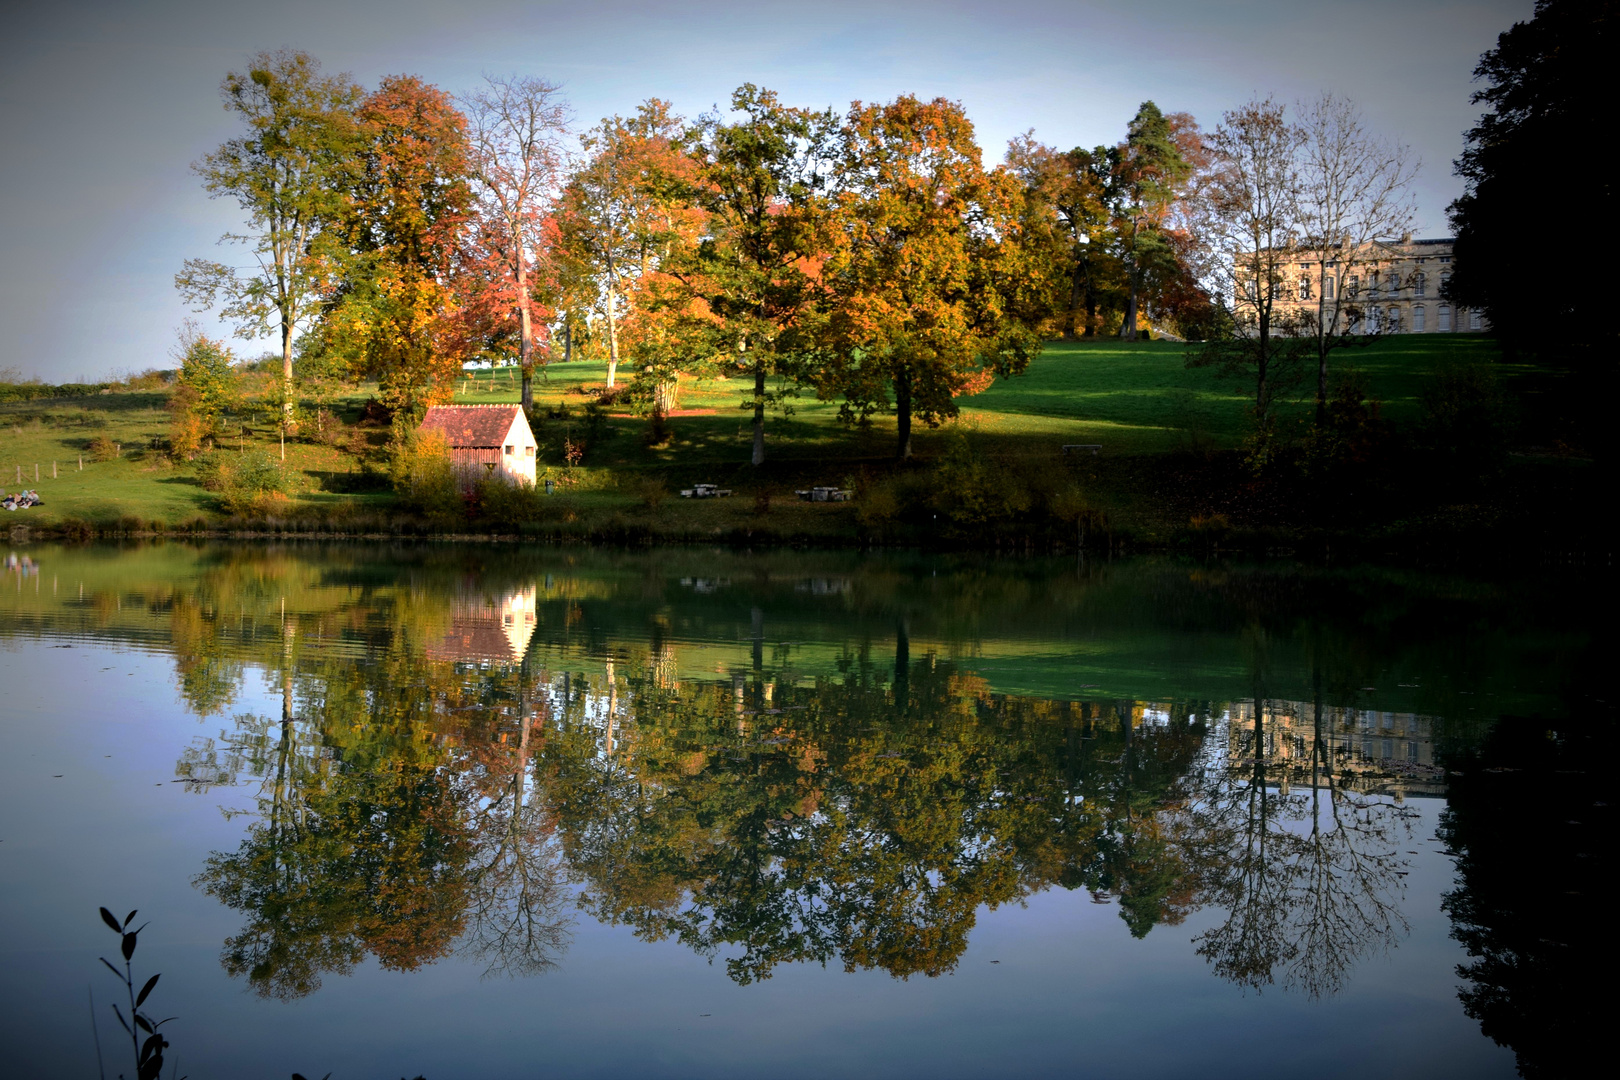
{"x":471,"y":426}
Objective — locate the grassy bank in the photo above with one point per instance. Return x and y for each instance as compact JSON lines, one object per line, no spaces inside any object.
{"x":1167,"y":471}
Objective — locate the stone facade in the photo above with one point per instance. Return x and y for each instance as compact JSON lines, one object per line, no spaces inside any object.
{"x":1384,"y":287}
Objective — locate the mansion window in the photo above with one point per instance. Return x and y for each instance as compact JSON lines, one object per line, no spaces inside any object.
{"x":1327,"y":288}
{"x":1445,"y":318}
{"x":1419,"y":319}
{"x":1353,"y":286}
{"x":1392,"y":321}
{"x":1373,"y":283}
{"x":1276,"y":290}
{"x":1473,"y":321}
{"x":1420,"y":285}
{"x":1304,"y":288}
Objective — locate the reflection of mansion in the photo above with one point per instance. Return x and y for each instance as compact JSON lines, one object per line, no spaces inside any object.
{"x":1370,"y":750}
{"x":1396,"y":284}
{"x":488,"y":629}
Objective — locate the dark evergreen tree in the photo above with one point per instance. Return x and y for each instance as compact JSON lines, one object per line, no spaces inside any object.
{"x":1530,"y":235}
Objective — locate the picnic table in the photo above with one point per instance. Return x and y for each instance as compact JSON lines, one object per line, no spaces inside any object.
{"x":825,"y":494}
{"x":704,"y":491}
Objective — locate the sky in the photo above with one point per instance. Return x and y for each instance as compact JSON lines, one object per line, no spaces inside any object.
{"x":105,"y":105}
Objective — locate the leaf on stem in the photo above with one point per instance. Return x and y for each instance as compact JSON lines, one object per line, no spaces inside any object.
{"x":147,"y":989}
{"x":108,"y":918}
{"x":129,"y":946}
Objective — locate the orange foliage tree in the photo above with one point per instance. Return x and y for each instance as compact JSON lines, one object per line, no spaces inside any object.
{"x":392,"y":312}
{"x":929,"y":290}
{"x":627,"y":211}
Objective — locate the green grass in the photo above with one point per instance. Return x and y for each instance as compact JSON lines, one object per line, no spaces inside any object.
{"x":1136,"y":399}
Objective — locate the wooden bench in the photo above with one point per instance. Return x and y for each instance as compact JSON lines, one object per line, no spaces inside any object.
{"x":705,"y":491}
{"x":1093,"y":447}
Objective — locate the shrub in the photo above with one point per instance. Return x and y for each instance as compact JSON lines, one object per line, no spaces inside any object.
{"x":102,"y":449}
{"x":246,"y":483}
{"x":970,"y":492}
{"x":423,"y":477}
{"x":649,"y":491}
{"x":1466,"y":419}
{"x":504,"y":505}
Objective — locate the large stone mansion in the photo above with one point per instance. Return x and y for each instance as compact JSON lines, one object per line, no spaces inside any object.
{"x":1395,"y":285}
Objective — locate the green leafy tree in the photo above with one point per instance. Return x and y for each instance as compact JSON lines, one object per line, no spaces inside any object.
{"x":1150,"y":172}
{"x":761,"y":181}
{"x":286,"y":173}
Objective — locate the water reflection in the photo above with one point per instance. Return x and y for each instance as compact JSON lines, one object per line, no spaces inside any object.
{"x":452,"y":795}
{"x":840,"y":763}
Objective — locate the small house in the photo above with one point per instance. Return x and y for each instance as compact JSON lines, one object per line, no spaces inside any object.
{"x":485,"y":440}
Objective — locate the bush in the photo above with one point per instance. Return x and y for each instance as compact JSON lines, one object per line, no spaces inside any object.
{"x":649,"y":491}
{"x":504,"y":505}
{"x":423,"y":477}
{"x":246,"y":483}
{"x":102,"y":449}
{"x":1466,"y":419}
{"x":970,"y":493}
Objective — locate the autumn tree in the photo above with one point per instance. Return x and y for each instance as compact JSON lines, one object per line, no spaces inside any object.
{"x":1354,"y":189}
{"x":928,"y":291}
{"x":1066,"y":212}
{"x":390,"y":312}
{"x":285,"y":174}
{"x":516,"y":127}
{"x":626,"y":209}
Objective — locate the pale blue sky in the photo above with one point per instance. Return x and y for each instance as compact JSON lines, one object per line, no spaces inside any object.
{"x":103,"y":106}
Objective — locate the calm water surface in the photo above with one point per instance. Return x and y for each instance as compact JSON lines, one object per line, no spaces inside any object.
{"x":478,"y":812}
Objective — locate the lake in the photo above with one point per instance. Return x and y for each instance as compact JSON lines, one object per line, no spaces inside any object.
{"x":494,"y":811}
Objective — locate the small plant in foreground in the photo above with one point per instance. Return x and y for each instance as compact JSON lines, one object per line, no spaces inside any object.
{"x":148,"y":1053}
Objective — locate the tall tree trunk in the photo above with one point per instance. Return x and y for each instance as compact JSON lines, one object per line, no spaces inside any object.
{"x":1321,"y":348}
{"x":526,"y":338}
{"x":1077,"y":291}
{"x":1127,"y":328}
{"x":286,"y":382}
{"x":613,"y":336}
{"x":902,"y":412}
{"x":759,"y":412}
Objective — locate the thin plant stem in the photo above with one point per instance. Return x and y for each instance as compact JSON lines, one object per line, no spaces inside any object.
{"x":95,"y":1033}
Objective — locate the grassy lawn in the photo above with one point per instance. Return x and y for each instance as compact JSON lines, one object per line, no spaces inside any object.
{"x":1137,"y":400}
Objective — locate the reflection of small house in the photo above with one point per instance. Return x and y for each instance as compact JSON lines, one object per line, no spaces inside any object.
{"x":485,"y":440}
{"x":488,"y":629}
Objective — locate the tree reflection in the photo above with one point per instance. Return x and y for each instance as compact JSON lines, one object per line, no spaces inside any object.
{"x":396,"y":819}
{"x":430,"y":788}
{"x":1310,"y":880}
{"x":863,"y":819}
{"x":1536,"y":795}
